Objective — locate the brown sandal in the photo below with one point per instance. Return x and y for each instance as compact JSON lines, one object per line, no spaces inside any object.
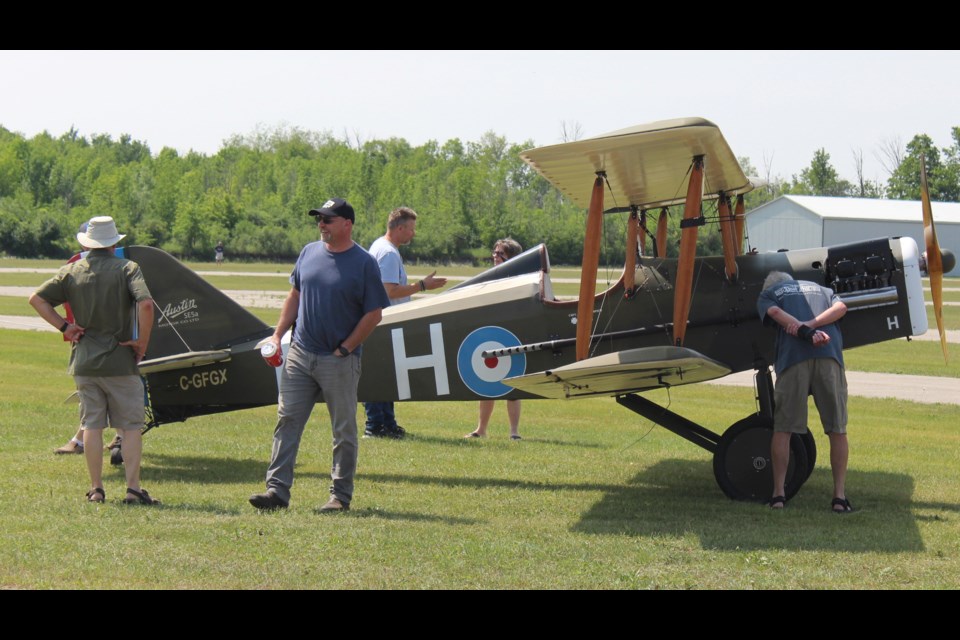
{"x":93,"y":493}
{"x":140,"y":497}
{"x":843,"y":503}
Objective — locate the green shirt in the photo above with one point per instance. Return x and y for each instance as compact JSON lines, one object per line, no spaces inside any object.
{"x":103,"y":291}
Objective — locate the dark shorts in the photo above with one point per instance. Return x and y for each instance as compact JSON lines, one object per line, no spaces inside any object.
{"x":823,"y":378}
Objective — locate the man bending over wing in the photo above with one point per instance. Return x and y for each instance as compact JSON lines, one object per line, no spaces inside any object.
{"x":809,"y":362}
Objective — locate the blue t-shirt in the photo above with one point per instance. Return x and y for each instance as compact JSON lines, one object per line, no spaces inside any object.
{"x":803,"y":300}
{"x":336,"y":291}
{"x":391,"y":265}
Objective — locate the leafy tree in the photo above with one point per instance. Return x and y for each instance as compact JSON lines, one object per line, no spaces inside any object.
{"x":942,"y":176}
{"x":11,"y":165}
{"x":820,"y":178}
{"x":255,"y":191}
{"x":26,"y":229}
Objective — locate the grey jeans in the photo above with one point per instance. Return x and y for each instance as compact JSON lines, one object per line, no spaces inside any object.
{"x":304,"y":375}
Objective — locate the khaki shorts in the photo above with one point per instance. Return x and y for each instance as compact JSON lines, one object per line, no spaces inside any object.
{"x":823,"y":378}
{"x":116,"y":401}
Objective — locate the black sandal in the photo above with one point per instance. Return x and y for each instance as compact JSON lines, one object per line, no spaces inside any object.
{"x":781,"y":500}
{"x":140,"y":497}
{"x":93,"y":493}
{"x":841,"y":502}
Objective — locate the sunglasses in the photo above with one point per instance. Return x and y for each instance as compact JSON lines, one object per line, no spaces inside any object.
{"x":500,"y":254}
{"x":326,"y":219}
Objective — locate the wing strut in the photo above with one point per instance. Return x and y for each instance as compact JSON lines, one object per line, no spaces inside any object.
{"x":738,"y":218}
{"x":588,"y":273}
{"x":630,"y":267}
{"x":642,"y":246}
{"x":692,"y":219}
{"x":662,"y":234}
{"x":727,"y":236}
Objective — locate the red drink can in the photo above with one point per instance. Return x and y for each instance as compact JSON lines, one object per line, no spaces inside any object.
{"x":271,"y":354}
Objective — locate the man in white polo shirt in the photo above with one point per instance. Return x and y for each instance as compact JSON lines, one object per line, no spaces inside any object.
{"x":401,"y":228}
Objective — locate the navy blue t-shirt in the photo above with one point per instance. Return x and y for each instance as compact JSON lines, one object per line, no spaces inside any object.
{"x":804,"y":300}
{"x":336,"y":291}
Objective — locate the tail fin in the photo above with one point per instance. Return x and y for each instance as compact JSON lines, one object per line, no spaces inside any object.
{"x":192,"y":314}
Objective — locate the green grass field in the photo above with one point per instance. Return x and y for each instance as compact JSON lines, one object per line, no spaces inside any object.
{"x":15,"y":306}
{"x":593,"y":497}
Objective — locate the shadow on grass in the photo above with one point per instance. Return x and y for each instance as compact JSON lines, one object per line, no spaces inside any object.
{"x":487,"y":483}
{"x":939,"y":506}
{"x":381,"y":514}
{"x":207,"y":470}
{"x":160,"y":467}
{"x":168,"y":505}
{"x":460,"y":441}
{"x":210,"y":509}
{"x":674,"y":498}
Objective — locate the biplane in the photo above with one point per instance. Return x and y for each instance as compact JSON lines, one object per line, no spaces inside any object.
{"x":504,"y":334}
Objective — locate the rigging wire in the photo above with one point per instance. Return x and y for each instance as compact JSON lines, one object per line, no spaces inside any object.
{"x":714,"y":217}
{"x":595,"y":343}
{"x":171,"y":325}
{"x":696,"y":282}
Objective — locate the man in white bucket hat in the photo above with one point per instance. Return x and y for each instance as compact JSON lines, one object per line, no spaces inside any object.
{"x":107,"y":343}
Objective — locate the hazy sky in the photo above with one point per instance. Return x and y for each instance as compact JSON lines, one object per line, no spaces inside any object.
{"x":777,"y":108}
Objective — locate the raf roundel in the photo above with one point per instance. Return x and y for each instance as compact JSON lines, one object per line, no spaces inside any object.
{"x":483,"y":375}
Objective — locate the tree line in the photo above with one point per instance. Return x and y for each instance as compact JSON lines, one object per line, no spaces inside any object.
{"x":901,"y":162}
{"x":253,"y":194}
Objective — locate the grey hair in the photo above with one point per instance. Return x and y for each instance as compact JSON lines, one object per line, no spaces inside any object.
{"x":774,"y":278}
{"x":400,"y":216}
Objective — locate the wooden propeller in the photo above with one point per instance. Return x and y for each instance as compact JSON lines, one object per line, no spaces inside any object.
{"x":933,"y":257}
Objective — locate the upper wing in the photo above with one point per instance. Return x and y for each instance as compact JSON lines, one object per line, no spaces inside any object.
{"x":622,"y":372}
{"x":646,"y":165}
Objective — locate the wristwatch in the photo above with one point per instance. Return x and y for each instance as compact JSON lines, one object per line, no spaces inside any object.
{"x":343,"y":351}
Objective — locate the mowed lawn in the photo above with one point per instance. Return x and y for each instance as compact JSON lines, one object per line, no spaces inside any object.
{"x":593,"y":497}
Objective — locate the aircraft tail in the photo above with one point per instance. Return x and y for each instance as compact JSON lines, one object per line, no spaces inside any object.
{"x":191,"y":314}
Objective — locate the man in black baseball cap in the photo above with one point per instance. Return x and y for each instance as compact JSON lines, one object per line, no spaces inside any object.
{"x":336,"y":299}
{"x":335,"y":207}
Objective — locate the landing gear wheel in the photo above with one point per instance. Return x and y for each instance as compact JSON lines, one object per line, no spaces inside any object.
{"x":742,"y":463}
